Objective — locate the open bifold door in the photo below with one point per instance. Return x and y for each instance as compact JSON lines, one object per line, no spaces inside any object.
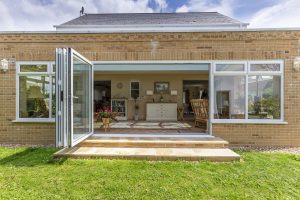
{"x":74,"y":97}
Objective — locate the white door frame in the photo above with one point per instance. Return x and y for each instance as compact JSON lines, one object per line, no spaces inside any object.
{"x":64,"y":97}
{"x":150,"y":69}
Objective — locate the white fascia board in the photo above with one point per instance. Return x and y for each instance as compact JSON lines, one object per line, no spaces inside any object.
{"x":152,"y":25}
{"x":203,"y":30}
{"x":148,"y":28}
{"x":147,"y":67}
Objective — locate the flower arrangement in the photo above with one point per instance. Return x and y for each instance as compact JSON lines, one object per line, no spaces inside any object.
{"x":106,"y":112}
{"x":106,"y":116}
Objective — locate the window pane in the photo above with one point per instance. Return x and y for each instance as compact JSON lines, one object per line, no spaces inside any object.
{"x":135,"y":93}
{"x":135,"y":85}
{"x":265,"y":67}
{"x":229,"y":67}
{"x":135,"y":90}
{"x":82,"y":98}
{"x":264,"y":97}
{"x":54,"y":68}
{"x":53,"y":97}
{"x":33,"y":68}
{"x":229,"y":100}
{"x":34,"y":96}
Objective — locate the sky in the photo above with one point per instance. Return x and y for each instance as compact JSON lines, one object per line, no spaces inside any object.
{"x":41,"y":15}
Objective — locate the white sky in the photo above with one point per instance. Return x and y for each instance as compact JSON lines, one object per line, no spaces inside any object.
{"x":29,"y":15}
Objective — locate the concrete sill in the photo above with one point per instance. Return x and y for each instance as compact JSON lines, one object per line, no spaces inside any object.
{"x":33,"y":121}
{"x":250,"y":122}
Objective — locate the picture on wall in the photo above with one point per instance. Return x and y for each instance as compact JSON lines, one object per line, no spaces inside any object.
{"x":161,"y":87}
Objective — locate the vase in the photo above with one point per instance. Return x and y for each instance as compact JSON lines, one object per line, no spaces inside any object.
{"x":106,"y":122}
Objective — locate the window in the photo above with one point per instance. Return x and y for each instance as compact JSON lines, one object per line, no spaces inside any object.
{"x":35,"y":91}
{"x":249,"y":91}
{"x":230,"y":67}
{"x":33,"y":68}
{"x":264,"y":97}
{"x":134,"y":89}
{"x":230,"y":97}
{"x":265,"y":67}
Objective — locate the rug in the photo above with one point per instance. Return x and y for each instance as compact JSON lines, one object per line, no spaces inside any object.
{"x":147,"y":125}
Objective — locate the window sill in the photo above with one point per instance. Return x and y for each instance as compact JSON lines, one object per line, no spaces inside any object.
{"x":132,"y":99}
{"x":34,"y":121}
{"x":248,"y":122}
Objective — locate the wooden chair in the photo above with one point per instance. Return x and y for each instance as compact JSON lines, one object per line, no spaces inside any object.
{"x":200,"y":109}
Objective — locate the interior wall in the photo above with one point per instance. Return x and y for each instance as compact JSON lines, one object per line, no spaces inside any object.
{"x":147,"y":83}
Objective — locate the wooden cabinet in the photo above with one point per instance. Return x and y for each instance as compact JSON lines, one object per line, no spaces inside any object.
{"x":161,"y":112}
{"x":120,"y":106}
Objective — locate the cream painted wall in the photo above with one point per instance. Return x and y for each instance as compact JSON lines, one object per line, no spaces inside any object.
{"x":147,"y":83}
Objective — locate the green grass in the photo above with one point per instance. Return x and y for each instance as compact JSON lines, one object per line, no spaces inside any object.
{"x":31,"y":173}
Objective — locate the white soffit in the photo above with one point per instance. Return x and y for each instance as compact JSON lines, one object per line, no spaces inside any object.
{"x":150,"y":67}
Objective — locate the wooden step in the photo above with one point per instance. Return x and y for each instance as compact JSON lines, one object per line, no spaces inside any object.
{"x":154,"y":142}
{"x":136,"y":153}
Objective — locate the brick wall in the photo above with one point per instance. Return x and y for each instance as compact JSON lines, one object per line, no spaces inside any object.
{"x":157,"y":46}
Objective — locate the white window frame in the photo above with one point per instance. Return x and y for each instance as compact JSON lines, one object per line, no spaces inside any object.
{"x":50,"y":73}
{"x":265,"y":62}
{"x":247,"y":73}
{"x":230,"y":72}
{"x":135,"y":81}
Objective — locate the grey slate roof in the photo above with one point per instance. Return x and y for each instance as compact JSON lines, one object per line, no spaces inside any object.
{"x":191,"y":18}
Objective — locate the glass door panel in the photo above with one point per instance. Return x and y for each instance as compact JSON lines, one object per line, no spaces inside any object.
{"x":82,"y":98}
{"x":74,"y":94}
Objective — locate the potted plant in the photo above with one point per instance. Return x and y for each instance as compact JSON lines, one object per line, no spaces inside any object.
{"x":106,"y":115}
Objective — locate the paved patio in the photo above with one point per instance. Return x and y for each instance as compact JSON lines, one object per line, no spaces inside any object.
{"x":140,"y":127}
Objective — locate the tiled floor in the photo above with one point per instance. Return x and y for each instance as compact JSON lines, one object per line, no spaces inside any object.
{"x":188,"y":127}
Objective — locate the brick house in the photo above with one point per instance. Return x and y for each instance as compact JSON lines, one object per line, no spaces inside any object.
{"x":160,"y":62}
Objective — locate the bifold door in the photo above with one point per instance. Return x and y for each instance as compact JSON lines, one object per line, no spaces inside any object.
{"x":74,"y":97}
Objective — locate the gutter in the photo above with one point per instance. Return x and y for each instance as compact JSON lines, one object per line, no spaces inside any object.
{"x":152,"y":25}
{"x":157,"y":30}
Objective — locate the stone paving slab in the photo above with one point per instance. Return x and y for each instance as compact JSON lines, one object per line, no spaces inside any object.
{"x":190,"y":154}
{"x":205,"y":142}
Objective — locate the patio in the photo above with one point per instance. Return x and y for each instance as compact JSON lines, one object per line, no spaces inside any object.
{"x":184,"y":127}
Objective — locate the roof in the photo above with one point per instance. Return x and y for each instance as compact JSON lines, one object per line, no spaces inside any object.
{"x":191,"y":18}
{"x":137,"y":20}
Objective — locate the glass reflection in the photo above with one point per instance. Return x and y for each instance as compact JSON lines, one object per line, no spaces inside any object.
{"x":34,"y":96}
{"x":82,"y":124}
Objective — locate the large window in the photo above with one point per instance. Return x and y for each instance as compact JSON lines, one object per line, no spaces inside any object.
{"x":230,"y":97}
{"x":249,"y":91}
{"x":35,"y":91}
{"x":264,"y":97}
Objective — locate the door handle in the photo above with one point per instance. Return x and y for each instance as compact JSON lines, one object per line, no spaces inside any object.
{"x":75,"y":97}
{"x":61,"y":95}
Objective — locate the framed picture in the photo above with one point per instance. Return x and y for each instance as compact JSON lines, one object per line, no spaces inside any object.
{"x":161,"y":87}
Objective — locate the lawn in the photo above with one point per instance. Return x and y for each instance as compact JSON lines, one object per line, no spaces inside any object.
{"x":31,"y":173}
